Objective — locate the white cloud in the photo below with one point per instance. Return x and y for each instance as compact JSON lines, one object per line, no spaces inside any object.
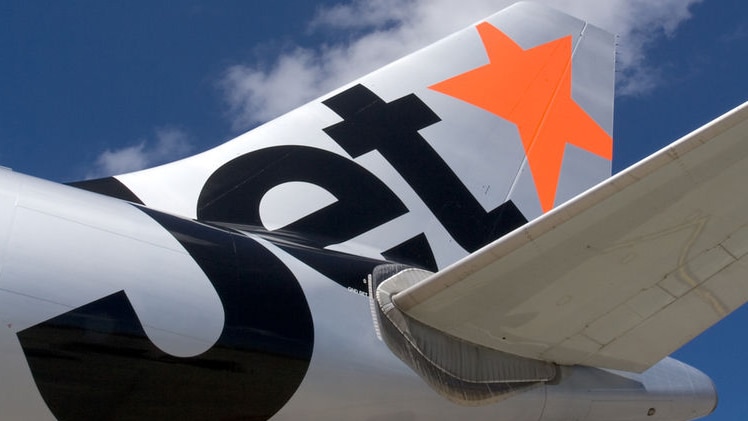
{"x":387,"y":29}
{"x":363,"y":14}
{"x":166,"y":145}
{"x":256,"y":95}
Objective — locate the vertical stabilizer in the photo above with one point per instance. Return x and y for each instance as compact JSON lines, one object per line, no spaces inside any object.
{"x":425,"y":160}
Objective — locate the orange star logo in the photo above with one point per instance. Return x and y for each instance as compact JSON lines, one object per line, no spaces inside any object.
{"x":532,"y":89}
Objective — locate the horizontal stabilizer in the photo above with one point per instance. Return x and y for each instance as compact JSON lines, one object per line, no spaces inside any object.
{"x":619,"y":277}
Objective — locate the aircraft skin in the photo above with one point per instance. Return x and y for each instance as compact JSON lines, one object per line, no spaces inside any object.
{"x":250,"y":282}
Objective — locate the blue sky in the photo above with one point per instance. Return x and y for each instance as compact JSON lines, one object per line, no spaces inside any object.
{"x":89,"y":88}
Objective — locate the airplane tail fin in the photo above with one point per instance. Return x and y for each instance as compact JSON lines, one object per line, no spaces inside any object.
{"x":425,"y":160}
